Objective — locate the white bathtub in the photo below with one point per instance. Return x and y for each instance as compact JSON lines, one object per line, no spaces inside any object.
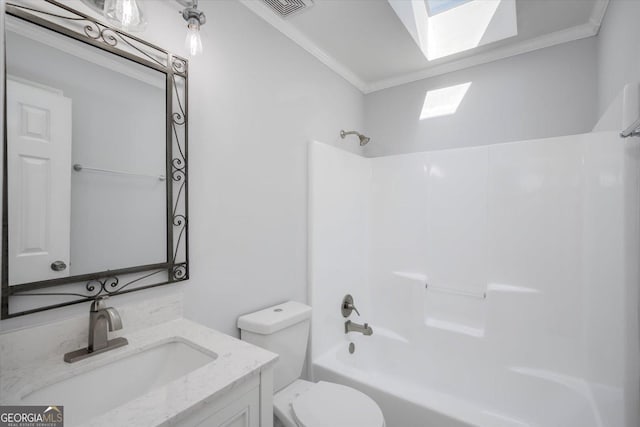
{"x":419,"y":388}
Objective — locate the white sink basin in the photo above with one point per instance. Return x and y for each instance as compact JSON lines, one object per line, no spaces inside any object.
{"x":98,"y":390}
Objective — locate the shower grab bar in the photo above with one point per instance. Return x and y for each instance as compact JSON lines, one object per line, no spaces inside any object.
{"x":460,"y":292}
{"x":78,"y":167}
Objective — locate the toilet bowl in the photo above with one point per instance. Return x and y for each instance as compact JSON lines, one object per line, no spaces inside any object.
{"x":284,"y":329}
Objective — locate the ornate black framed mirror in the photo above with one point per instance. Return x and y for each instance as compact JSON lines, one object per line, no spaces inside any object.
{"x":95,"y":185}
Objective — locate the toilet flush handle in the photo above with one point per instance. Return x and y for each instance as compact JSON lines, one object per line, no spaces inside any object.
{"x":347,"y":306}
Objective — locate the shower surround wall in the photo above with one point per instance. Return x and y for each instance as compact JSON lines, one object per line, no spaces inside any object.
{"x":529,"y":251}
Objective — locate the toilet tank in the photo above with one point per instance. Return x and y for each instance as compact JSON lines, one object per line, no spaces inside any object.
{"x":281,"y":329}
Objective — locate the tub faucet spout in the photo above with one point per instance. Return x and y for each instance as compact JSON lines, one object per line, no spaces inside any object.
{"x":350,"y":326}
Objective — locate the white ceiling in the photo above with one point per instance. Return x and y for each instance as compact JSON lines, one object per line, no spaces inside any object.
{"x":367,"y":44}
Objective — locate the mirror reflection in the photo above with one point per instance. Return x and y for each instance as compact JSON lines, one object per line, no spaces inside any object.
{"x":86,"y":159}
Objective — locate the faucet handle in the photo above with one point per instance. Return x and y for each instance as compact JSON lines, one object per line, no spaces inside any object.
{"x":347,"y":306}
{"x":353,"y":307}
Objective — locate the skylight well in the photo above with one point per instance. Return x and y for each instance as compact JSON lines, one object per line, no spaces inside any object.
{"x":446,"y":27}
{"x":443,"y":102}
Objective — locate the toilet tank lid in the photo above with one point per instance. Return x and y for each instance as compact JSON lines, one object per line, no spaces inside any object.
{"x":274,"y":318}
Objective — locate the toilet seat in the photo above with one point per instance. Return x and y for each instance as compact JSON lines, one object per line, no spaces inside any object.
{"x":329,"y":404}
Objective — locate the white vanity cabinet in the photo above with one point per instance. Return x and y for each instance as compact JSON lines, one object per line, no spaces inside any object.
{"x":249,"y":404}
{"x":176,"y":373}
{"x":241,"y":413}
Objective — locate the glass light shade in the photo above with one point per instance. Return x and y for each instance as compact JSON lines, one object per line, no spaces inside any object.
{"x":125,"y":14}
{"x":193,"y":42}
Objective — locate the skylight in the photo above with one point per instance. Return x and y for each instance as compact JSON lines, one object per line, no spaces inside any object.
{"x":446,"y":27}
{"x":443,"y":102}
{"x":439,"y":6}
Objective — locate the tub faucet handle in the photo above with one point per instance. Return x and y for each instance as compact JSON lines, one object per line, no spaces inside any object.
{"x":352,"y":307}
{"x":348,"y":306}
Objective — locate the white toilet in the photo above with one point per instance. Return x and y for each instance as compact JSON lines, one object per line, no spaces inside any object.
{"x":284,"y":329}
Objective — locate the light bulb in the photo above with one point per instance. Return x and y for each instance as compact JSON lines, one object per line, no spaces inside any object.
{"x":193,"y":42}
{"x":126,"y":14}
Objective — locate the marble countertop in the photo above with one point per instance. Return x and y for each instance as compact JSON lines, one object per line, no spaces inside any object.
{"x":237,"y":362}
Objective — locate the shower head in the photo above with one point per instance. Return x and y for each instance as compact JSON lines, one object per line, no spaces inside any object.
{"x":363,"y":139}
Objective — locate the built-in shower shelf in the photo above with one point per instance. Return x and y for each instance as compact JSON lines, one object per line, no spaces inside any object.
{"x":458,"y":328}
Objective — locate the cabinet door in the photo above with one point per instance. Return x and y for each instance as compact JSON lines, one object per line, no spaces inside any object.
{"x":243,"y":412}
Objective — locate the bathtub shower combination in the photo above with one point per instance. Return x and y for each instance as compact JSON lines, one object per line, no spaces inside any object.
{"x":500,"y":281}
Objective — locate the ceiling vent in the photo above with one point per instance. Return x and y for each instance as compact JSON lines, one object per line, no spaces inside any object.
{"x":288,"y":8}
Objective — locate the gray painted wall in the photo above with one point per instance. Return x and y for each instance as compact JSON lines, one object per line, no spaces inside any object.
{"x":548,"y":92}
{"x":256,"y":100}
{"x":618,"y":50}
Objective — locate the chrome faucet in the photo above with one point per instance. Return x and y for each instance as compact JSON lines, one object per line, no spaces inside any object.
{"x":99,"y":317}
{"x":350,"y":326}
{"x":102,"y":319}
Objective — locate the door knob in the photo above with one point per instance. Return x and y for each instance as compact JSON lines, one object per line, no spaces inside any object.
{"x":58,"y":266}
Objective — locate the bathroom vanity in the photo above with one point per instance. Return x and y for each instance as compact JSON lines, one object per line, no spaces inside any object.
{"x":97,"y":133}
{"x":175,"y":372}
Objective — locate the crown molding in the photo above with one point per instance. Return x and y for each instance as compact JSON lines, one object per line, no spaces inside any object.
{"x":578,"y":32}
{"x":588,"y":29}
{"x":304,"y":42}
{"x":549,"y":40}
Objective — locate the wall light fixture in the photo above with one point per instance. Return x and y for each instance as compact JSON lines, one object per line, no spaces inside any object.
{"x":129,"y":16}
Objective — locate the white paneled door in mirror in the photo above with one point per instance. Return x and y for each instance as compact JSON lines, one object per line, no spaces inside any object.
{"x":39,"y":177}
